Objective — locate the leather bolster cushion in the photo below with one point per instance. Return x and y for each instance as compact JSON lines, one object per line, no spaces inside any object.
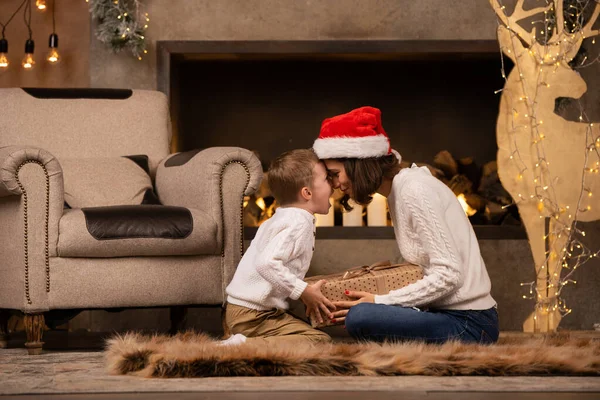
{"x":127,"y":222}
{"x":136,"y":230}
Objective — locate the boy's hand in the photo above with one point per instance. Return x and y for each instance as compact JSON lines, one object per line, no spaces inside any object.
{"x":316,"y":303}
{"x":344,"y":306}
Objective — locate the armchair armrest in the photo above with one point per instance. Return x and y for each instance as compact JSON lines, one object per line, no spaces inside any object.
{"x":192,"y":179}
{"x":214,"y":180}
{"x":31,"y":205}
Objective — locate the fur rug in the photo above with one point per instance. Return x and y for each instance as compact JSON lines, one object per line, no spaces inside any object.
{"x":196,"y":355}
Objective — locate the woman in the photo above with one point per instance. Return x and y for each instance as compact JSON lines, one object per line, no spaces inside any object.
{"x":452,"y":301}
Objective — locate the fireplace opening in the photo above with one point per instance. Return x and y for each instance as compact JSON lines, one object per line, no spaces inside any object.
{"x":436,"y":98}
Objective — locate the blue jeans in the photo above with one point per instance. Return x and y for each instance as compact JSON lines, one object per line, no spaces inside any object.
{"x":380,"y":322}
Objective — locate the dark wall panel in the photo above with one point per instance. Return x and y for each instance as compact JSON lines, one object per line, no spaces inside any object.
{"x":428,"y":104}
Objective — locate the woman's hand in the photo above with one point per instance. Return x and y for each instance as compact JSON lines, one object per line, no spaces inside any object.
{"x":344,"y":306}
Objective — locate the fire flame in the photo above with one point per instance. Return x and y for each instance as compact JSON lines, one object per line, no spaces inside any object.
{"x":466,"y":207}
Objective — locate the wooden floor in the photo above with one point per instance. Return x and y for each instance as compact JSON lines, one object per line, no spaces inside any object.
{"x":77,"y":372}
{"x":338,"y":395}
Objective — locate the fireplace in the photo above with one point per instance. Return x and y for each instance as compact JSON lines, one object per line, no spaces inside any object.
{"x":271,"y":96}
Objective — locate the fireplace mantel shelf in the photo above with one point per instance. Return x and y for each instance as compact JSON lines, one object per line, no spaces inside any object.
{"x":483,"y":232}
{"x":169,"y":50}
{"x":325,"y":46}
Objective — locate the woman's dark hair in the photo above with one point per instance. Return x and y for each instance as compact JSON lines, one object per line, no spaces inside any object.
{"x":366,"y":175}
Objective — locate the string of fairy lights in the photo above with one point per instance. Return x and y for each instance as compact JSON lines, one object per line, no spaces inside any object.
{"x":555,"y":49}
{"x":121,"y":25}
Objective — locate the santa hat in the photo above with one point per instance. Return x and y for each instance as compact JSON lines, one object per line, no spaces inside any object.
{"x":357,"y":134}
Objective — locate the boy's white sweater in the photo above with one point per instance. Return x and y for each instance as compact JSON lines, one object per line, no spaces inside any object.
{"x":273,"y":268}
{"x":433,"y":231}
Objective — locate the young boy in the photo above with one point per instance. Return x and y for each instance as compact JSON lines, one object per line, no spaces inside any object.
{"x":273,"y":268}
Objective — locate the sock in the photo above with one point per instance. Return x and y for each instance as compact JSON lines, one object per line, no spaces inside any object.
{"x":233,"y":340}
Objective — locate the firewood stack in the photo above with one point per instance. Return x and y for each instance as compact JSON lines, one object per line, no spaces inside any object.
{"x":259,"y":206}
{"x":480,"y":187}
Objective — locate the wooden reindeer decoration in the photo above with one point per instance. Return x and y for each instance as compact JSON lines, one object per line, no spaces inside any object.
{"x":548,"y":164}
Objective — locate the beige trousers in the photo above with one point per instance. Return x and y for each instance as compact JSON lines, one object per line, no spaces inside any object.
{"x":272,"y":326}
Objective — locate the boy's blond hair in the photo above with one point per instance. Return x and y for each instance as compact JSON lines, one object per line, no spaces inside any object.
{"x":290,"y":172}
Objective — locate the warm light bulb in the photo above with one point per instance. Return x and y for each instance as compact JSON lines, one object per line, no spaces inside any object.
{"x":40,"y":5}
{"x":3,"y":50}
{"x":28,"y":61}
{"x":3,"y":61}
{"x":53,"y":56}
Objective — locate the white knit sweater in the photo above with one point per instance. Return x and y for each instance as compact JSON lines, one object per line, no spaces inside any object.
{"x":433,"y":231}
{"x":273,"y":268}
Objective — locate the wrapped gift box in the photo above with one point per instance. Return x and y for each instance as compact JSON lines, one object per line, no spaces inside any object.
{"x":378,"y":278}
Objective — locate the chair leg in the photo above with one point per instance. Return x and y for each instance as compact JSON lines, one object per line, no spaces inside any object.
{"x":178,"y":319}
{"x":34,"y":329}
{"x":226,"y":331}
{"x":4,"y":316}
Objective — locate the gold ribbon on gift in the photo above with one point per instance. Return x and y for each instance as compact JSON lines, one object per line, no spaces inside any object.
{"x":367,"y":269}
{"x":380,"y":281}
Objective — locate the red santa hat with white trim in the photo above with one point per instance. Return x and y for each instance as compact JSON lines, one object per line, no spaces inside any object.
{"x":356,"y":134}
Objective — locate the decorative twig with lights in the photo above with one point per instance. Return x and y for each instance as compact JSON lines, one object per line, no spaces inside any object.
{"x":548,"y":164}
{"x":121,"y":26}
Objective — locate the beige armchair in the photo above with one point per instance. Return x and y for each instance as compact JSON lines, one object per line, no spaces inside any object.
{"x":81,"y":174}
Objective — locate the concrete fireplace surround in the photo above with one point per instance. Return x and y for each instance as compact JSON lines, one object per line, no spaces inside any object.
{"x":270,"y":95}
{"x":234,"y":20}
{"x":234,"y":27}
